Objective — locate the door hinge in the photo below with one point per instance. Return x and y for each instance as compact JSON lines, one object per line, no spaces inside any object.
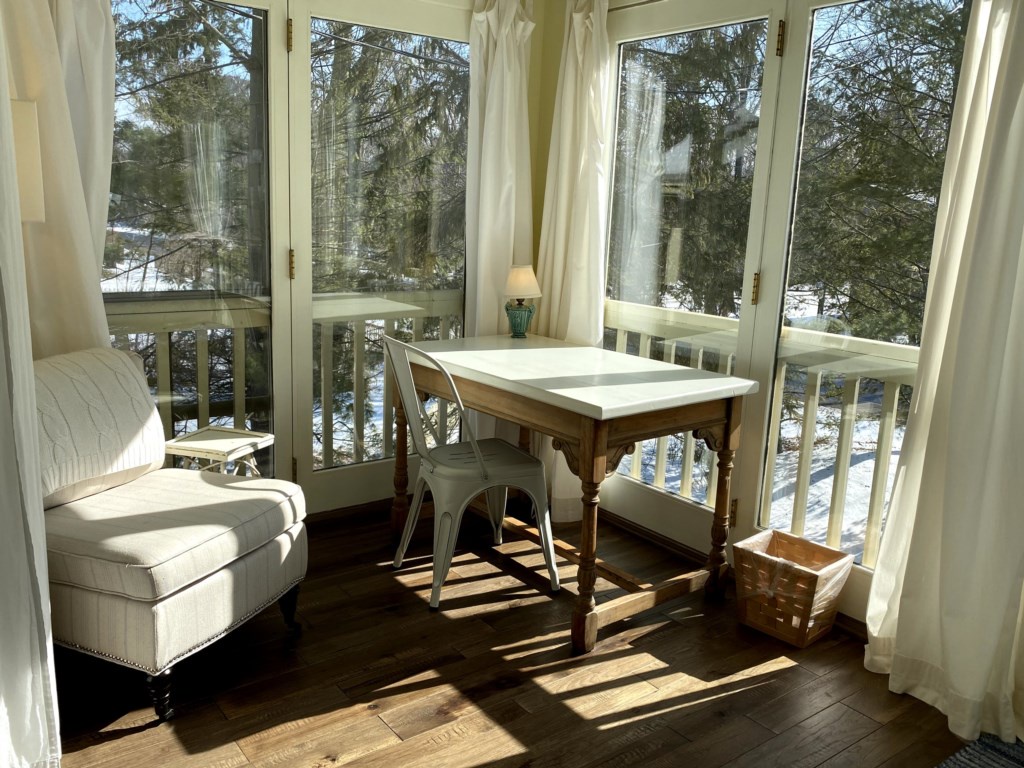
{"x":295,"y":470}
{"x":291,"y":263}
{"x":780,"y":40}
{"x":755,"y":291}
{"x":291,"y":36}
{"x":733,"y":505}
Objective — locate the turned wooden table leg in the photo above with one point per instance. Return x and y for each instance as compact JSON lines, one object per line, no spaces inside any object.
{"x":591,"y":470}
{"x":400,"y":504}
{"x":717,"y":563}
{"x":723,"y":440}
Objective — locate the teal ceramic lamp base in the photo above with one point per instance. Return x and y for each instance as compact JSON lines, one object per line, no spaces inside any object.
{"x":519,"y":316}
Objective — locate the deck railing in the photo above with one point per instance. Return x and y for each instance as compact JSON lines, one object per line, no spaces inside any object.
{"x":156,"y":323}
{"x":807,"y":360}
{"x":805,"y":356}
{"x":161,"y":316}
{"x":371,"y":316}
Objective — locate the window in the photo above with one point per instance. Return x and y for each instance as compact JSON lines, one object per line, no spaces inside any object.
{"x":186,"y":264}
{"x":389,"y":132}
{"x":685,"y":154}
{"x":818,"y":170}
{"x":877,"y":106}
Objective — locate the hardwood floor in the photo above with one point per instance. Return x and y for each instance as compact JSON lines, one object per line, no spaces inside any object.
{"x":376,"y":679}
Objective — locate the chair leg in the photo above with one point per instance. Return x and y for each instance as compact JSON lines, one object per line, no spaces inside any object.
{"x":446,"y":533}
{"x":288,"y":603}
{"x":160,"y":692}
{"x":410,"y":521}
{"x":543,"y":512}
{"x":497,"y":497}
{"x":547,"y":545}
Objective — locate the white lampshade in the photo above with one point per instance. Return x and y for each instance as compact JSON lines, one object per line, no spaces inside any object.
{"x":522,"y":283}
{"x":29,"y":160}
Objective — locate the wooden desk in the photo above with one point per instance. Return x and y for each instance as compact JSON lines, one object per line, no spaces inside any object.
{"x":596,"y":405}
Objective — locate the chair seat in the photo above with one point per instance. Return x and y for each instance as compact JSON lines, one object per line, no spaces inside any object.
{"x":163,"y":531}
{"x":153,"y":635}
{"x":457,"y":472}
{"x":498,"y":455}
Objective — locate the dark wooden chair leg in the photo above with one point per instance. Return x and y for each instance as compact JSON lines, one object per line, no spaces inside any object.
{"x":289,"y":602}
{"x":160,"y":692}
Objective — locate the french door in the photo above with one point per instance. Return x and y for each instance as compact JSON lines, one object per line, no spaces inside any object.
{"x":197,"y":217}
{"x":695,"y":135}
{"x":378,"y":112}
{"x":777,"y":173}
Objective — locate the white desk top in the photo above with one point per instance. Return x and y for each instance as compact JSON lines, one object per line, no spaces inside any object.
{"x":586,"y":380}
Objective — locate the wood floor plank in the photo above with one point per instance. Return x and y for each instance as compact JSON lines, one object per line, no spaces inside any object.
{"x":728,"y":738}
{"x":911,"y":732}
{"x":448,"y":702}
{"x":330,"y":737}
{"x":377,"y":679}
{"x":877,"y":702}
{"x":156,"y":743}
{"x":572,"y":746}
{"x":695,"y":709}
{"x":810,"y":742}
{"x":799,"y":704}
{"x":458,"y":744}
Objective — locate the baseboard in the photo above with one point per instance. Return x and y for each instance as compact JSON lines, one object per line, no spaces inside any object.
{"x":695,"y":556}
{"x":368,"y":512}
{"x":381,"y":509}
{"x":852,"y":626}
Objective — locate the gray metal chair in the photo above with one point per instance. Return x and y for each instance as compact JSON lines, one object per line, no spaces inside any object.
{"x":458,"y":472}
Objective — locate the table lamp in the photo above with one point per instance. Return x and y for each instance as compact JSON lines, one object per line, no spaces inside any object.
{"x":28,"y":160}
{"x":521,"y":284}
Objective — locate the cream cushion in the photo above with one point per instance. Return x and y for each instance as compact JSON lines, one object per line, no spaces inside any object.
{"x":153,"y":635}
{"x":97,"y":424}
{"x":149,"y":538}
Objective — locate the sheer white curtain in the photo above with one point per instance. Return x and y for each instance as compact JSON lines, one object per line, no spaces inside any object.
{"x":499,"y":210}
{"x":61,"y":57}
{"x":84,"y":31}
{"x":944,"y":614}
{"x":29,"y":734}
{"x":570,"y":262}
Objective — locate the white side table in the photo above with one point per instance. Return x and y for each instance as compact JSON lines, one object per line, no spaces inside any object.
{"x":219,"y":446}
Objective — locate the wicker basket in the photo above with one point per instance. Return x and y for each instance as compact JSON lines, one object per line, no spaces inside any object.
{"x":787,"y":586}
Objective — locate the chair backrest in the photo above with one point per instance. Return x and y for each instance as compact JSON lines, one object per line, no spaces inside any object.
{"x":402,"y":356}
{"x":98,"y":425}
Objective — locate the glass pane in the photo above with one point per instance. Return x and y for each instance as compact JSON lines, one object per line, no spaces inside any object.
{"x":878,"y":102}
{"x":689,"y":106}
{"x":389,"y":120}
{"x":186,"y":264}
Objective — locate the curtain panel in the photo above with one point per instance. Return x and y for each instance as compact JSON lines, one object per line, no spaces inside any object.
{"x":571,"y":258}
{"x":944,"y":612}
{"x":63,"y":254}
{"x":59,"y":55}
{"x":29,"y":732}
{"x":570,"y":262}
{"x":499,"y":210}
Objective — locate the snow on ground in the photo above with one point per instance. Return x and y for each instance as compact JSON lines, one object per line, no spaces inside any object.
{"x":819,"y":495}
